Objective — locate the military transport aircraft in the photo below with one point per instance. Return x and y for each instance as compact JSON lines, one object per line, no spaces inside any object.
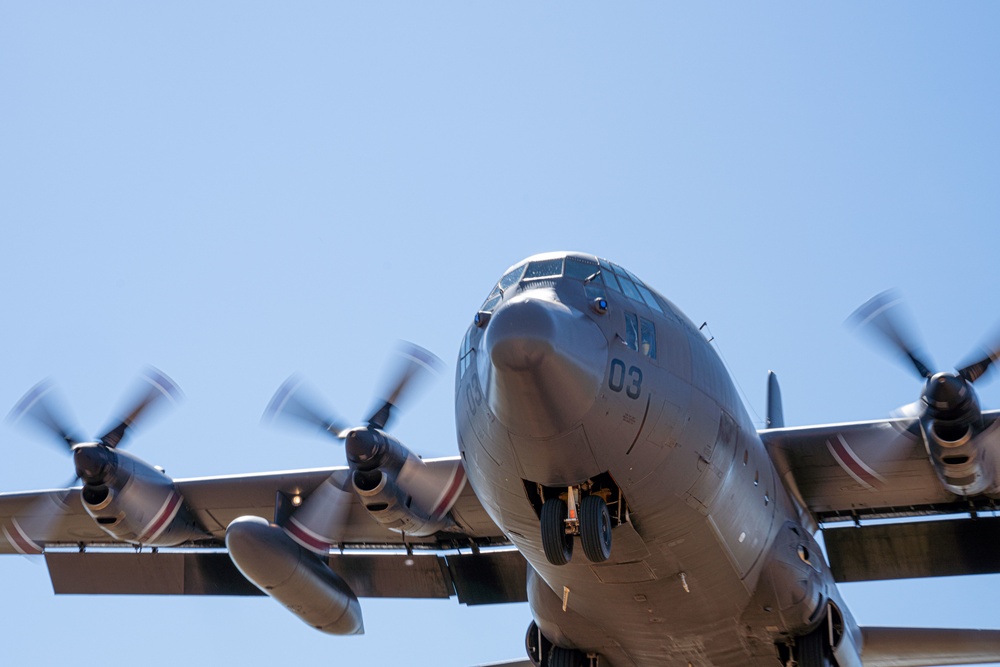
{"x":608,"y":474}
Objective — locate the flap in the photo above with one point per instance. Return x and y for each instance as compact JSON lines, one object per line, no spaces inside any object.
{"x":489,"y":577}
{"x":917,"y":549}
{"x":924,"y":647}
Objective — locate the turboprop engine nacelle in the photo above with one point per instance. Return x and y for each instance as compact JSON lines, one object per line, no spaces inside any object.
{"x":294,"y":576}
{"x":956,"y":442}
{"x":131,"y":500}
{"x":397,"y":488}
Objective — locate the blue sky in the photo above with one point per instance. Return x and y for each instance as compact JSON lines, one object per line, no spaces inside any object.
{"x":235,"y":191}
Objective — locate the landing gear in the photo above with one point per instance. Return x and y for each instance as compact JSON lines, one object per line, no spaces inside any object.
{"x":556,"y":542}
{"x":542,"y":653}
{"x":560,"y":521}
{"x":595,"y":529}
{"x":812,"y":650}
{"x":566,"y":657}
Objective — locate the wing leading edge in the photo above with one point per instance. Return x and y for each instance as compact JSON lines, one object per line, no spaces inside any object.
{"x":36,"y":520}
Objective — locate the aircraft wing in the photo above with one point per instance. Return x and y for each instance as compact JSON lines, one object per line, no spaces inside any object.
{"x":842,"y":472}
{"x":56,"y":518}
{"x":880,"y":469}
{"x":469,"y":561}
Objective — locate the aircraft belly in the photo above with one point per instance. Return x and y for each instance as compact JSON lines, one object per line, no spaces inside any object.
{"x":678,"y":604}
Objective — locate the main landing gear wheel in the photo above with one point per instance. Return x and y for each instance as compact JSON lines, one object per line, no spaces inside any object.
{"x":557,"y":544}
{"x":565,"y":657}
{"x":595,"y":529}
{"x":811,"y":649}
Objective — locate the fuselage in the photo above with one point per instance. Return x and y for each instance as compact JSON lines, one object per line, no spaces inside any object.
{"x":576,"y":374}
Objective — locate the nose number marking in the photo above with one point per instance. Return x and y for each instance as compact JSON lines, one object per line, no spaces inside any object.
{"x":617,"y":376}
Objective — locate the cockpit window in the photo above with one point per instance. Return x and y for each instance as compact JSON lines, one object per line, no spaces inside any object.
{"x":647,"y":296}
{"x":629,"y":288}
{"x":544,"y":268}
{"x":625,"y":272}
{"x":492,"y":300}
{"x":610,"y":280}
{"x":511,"y":278}
{"x":491,"y":303}
{"x":581,"y":270}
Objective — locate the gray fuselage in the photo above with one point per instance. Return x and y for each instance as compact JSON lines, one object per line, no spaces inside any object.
{"x":710,"y":564}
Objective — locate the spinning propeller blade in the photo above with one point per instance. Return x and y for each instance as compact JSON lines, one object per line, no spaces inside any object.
{"x":154,"y":388}
{"x":42,"y":408}
{"x":884,"y":316}
{"x":414,"y":364}
{"x":296,"y":402}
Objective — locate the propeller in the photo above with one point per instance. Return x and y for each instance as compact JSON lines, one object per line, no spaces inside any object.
{"x":945,"y":395}
{"x":884,"y":315}
{"x":43,"y":409}
{"x":373,"y":456}
{"x":296,"y":402}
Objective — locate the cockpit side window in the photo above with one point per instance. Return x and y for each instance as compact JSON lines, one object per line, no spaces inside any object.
{"x":632,"y":331}
{"x":648,"y":338}
{"x":492,"y":300}
{"x":544,"y":268}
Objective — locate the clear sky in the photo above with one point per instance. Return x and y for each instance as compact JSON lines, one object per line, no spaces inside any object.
{"x":233,"y":191}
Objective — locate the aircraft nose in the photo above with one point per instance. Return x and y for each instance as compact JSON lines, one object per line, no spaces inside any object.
{"x":547,"y":364}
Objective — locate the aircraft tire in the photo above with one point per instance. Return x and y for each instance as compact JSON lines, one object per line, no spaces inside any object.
{"x":565,"y":657}
{"x":811,"y":649}
{"x":558,"y":546}
{"x":595,"y":529}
